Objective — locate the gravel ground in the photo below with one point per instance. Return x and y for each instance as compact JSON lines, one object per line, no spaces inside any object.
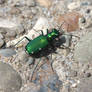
{"x":72,"y":65}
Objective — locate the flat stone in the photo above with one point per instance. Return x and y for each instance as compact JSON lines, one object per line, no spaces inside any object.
{"x":10,"y":81}
{"x":45,"y":3}
{"x":74,"y":5}
{"x":7,"y":52}
{"x":83,"y":50}
{"x":85,"y":85}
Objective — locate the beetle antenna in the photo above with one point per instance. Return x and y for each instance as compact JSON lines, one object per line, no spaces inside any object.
{"x":72,"y":35}
{"x":61,"y":25}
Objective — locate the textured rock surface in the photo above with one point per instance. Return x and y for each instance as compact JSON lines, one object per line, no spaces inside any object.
{"x":83,"y":50}
{"x":10,"y":81}
{"x":85,"y":85}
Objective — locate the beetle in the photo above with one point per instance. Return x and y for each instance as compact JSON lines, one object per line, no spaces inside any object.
{"x":42,"y":41}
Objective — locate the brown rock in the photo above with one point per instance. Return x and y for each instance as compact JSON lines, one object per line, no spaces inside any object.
{"x":45,"y":3}
{"x":69,"y":21}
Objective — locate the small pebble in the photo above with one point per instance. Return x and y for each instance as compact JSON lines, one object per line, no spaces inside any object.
{"x":88,"y":11}
{"x":30,"y":3}
{"x":83,"y":20}
{"x":88,"y":74}
{"x":74,"y":85}
{"x":11,"y":33}
{"x":30,"y":61}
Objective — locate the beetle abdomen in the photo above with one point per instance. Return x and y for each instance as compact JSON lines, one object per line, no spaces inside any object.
{"x":36,"y":44}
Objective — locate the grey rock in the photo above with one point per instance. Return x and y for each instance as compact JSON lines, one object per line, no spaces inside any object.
{"x":1,"y":42}
{"x":83,"y":20}
{"x":19,"y":29}
{"x":22,"y":56}
{"x":85,"y":3}
{"x":72,"y":73}
{"x":2,"y":1}
{"x":1,"y":36}
{"x":30,"y":60}
{"x":30,"y":3}
{"x":7,"y":52}
{"x":11,"y":33}
{"x":34,"y":10}
{"x":10,"y":81}
{"x":85,"y":85}
{"x":83,"y":50}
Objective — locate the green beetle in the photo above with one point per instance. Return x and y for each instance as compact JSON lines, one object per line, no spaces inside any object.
{"x":40,"y":42}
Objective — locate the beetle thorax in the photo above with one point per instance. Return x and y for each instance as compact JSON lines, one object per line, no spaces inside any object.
{"x":52,"y":35}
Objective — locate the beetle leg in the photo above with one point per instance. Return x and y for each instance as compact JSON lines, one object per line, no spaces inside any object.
{"x":52,"y":63}
{"x":35,"y":69}
{"x":42,"y":32}
{"x":21,"y":40}
{"x":47,"y":31}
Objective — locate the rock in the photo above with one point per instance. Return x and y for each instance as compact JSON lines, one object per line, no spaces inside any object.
{"x":15,"y":10}
{"x":45,"y":3}
{"x":69,"y":21}
{"x":10,"y":81}
{"x":30,"y":61}
{"x":1,"y":36}
{"x":11,"y":26}
{"x":27,"y":13}
{"x":74,"y":5}
{"x":85,"y":85}
{"x":11,"y":33}
{"x":2,"y":1}
{"x":7,"y":52}
{"x":3,"y":30}
{"x":82,"y":20}
{"x":72,"y":73}
{"x":34,"y":10}
{"x":1,"y":42}
{"x":83,"y":50}
{"x":19,"y":29}
{"x":85,"y":3}
{"x":29,"y":3}
{"x":87,"y":75}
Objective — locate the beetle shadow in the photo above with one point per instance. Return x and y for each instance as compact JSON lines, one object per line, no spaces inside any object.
{"x":51,"y":48}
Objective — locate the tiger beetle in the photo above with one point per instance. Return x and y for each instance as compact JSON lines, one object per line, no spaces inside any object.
{"x":37,"y":44}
